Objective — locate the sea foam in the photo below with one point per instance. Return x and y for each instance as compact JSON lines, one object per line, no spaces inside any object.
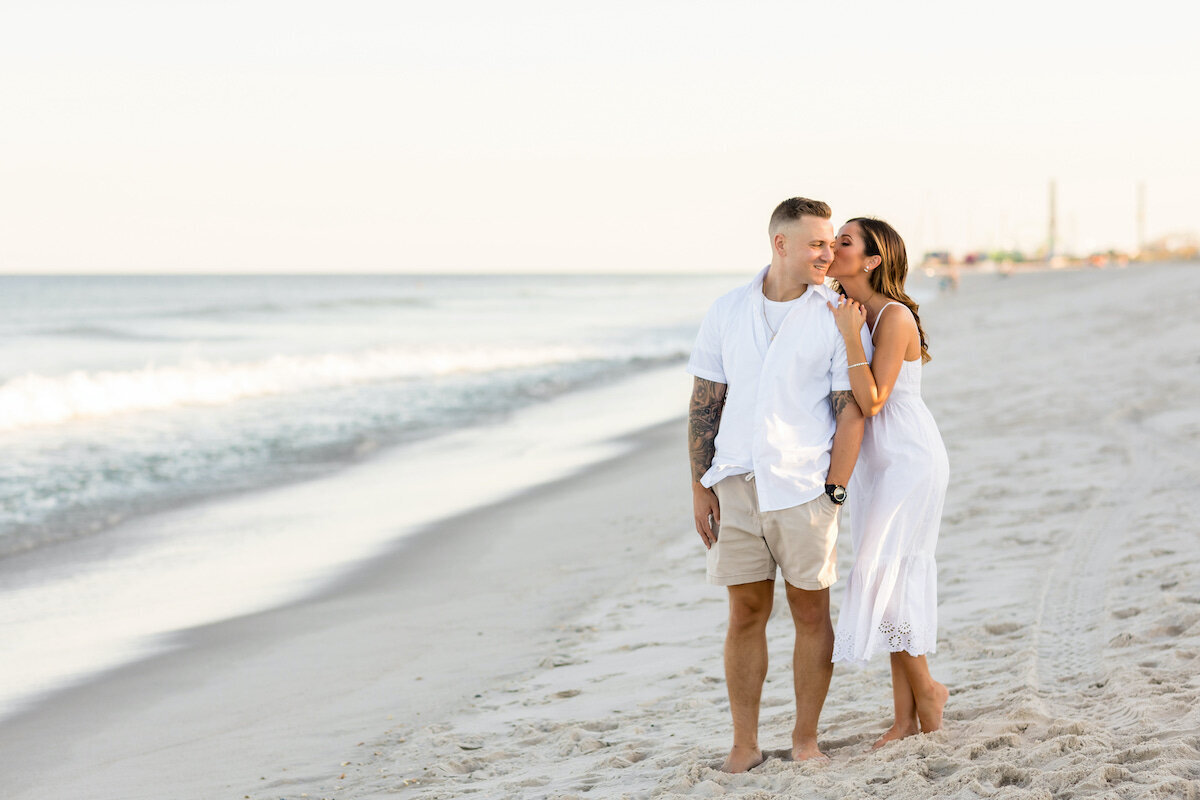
{"x":36,"y":400}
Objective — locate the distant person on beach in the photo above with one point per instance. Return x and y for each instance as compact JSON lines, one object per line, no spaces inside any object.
{"x":774,"y":433}
{"x":900,"y":484}
{"x":949,"y":280}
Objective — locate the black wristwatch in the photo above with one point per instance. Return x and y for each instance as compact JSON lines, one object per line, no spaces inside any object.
{"x":836,"y":493}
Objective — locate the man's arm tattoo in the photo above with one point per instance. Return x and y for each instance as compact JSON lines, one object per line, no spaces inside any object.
{"x":704,"y":416}
{"x":839,"y":401}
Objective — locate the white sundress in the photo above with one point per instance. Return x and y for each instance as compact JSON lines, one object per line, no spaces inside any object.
{"x":896,"y":495}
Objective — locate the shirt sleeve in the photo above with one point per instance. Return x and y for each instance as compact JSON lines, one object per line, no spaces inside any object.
{"x":840,"y":379}
{"x":706,"y":361}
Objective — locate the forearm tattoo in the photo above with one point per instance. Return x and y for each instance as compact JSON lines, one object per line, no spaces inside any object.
{"x":839,"y":401}
{"x":704,"y":416}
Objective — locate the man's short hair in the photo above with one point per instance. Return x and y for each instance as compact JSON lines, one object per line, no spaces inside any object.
{"x":794,"y":208}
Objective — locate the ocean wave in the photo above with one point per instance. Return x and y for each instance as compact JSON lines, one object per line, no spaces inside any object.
{"x":230,"y":310}
{"x":35,"y":400}
{"x":111,"y":334}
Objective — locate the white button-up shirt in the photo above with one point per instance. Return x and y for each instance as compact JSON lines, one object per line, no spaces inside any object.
{"x":777,"y":421}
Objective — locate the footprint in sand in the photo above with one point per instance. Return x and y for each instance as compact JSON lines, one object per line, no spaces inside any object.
{"x":1006,"y":775}
{"x":1144,"y":752}
{"x":559,"y":660}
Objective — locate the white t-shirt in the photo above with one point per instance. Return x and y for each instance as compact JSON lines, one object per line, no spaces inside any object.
{"x":777,"y":311}
{"x":777,"y":421}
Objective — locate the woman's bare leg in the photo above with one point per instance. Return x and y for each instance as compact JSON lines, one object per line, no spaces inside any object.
{"x":930,"y":695}
{"x":905,"y":703}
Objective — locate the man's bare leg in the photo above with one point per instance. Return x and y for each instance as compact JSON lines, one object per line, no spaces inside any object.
{"x":930,"y":695}
{"x":811,"y":666}
{"x":746,"y":668}
{"x":905,"y":723}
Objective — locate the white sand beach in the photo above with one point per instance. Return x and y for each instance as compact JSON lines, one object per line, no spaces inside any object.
{"x":564,"y":644}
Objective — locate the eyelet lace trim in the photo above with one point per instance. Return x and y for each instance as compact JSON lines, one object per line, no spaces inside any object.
{"x":890,"y":636}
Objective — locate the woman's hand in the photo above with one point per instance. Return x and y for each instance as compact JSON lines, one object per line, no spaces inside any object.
{"x":850,"y":317}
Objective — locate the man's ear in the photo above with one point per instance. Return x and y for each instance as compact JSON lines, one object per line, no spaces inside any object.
{"x":779,"y":242}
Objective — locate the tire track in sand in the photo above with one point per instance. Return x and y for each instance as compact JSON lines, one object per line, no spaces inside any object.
{"x":1072,"y":629}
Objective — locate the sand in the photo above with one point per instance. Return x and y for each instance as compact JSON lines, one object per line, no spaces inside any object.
{"x":564,"y":644}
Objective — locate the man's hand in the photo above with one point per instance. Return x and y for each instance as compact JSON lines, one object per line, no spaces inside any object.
{"x":707,"y":513}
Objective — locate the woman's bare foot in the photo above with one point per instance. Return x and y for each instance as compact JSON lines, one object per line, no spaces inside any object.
{"x":930,"y":707}
{"x":807,"y":750}
{"x":899,"y":730}
{"x":742,"y":759}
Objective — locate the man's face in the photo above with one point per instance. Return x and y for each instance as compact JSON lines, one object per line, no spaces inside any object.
{"x":807,"y":249}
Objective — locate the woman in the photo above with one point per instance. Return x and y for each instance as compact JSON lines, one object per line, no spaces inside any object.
{"x":900,"y":482}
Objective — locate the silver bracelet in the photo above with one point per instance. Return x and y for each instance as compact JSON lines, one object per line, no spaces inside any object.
{"x":859,"y":364}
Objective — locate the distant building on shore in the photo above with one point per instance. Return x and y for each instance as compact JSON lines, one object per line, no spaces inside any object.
{"x":1052,"y":254}
{"x":1173,"y":247}
{"x":1183,"y":246}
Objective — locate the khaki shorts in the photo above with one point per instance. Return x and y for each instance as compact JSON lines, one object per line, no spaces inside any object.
{"x":801,"y":540}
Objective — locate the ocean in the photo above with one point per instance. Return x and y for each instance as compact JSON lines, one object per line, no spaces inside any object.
{"x":129,"y":404}
{"x":123,"y":395}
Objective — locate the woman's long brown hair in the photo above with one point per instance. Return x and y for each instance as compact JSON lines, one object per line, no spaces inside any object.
{"x":881,"y":239}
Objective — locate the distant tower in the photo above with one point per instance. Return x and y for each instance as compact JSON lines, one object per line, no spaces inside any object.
{"x":1052,"y":244}
{"x":1141,"y":219}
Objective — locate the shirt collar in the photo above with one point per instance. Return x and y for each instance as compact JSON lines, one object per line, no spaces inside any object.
{"x":823,"y":291}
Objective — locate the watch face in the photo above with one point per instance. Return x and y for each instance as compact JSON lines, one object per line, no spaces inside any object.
{"x":839,"y":494}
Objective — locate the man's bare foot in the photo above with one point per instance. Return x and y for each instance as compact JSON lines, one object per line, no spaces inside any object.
{"x":930,"y":709}
{"x":742,"y":759}
{"x":807,"y":750}
{"x":899,"y":730}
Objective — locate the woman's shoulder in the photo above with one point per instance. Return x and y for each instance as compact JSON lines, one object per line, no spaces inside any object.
{"x":895,"y":328}
{"x":895,"y":315}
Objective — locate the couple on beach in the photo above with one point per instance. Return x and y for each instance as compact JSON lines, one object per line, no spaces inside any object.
{"x":787,"y":372}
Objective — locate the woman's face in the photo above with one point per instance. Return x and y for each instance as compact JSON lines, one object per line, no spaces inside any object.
{"x":848,"y":253}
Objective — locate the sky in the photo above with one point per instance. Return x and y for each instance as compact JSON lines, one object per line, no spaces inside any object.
{"x":289,"y":136}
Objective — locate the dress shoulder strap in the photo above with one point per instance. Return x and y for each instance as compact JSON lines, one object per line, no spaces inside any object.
{"x":879,"y":316}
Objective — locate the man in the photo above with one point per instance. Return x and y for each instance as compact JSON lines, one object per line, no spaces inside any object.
{"x":774,"y":433}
